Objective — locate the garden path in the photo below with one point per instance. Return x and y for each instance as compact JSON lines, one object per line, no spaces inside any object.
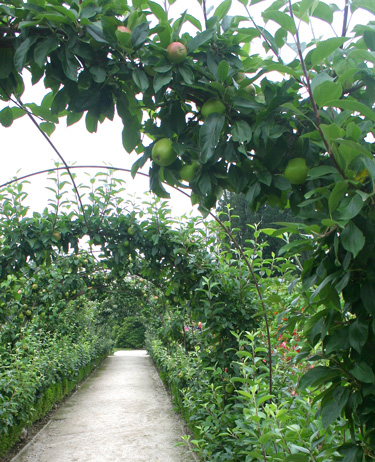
{"x":122,"y":413}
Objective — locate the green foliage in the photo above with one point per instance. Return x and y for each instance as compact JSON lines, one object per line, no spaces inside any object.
{"x":129,"y":334}
{"x":246,"y":223}
{"x":319,"y":109}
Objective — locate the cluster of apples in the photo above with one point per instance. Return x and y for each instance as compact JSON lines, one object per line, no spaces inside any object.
{"x":163,"y":153}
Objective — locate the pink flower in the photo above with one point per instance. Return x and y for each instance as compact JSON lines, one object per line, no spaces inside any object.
{"x":186,"y":329}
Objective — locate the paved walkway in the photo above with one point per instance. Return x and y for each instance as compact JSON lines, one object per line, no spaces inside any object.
{"x":122,"y":413}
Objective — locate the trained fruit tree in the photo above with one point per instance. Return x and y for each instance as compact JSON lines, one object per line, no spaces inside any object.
{"x":257,"y":98}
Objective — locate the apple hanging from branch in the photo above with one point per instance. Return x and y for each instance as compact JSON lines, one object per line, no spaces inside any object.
{"x":163,"y":153}
{"x":176,"y":52}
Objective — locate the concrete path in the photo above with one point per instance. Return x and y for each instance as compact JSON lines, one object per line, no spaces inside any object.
{"x":122,"y":413}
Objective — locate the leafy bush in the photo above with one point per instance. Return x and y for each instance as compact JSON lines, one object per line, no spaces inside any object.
{"x":129,"y":334}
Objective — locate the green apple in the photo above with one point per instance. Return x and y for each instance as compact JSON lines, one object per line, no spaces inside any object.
{"x":131,"y":231}
{"x":190,"y":171}
{"x":239,"y":77}
{"x":176,"y":52}
{"x":212,"y":106}
{"x":57,"y":235}
{"x":229,"y":389}
{"x":296,"y":171}
{"x":250,"y":89}
{"x":34,"y":286}
{"x":163,"y":153}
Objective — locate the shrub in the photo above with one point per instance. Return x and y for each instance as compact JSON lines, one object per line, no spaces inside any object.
{"x":130,"y":334}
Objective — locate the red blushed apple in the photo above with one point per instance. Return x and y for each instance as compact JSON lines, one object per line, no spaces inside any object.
{"x":124,"y":29}
{"x":176,"y":52}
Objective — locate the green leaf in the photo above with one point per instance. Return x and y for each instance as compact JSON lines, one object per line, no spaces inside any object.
{"x":56,"y":18}
{"x":296,"y":458}
{"x":368,"y":296}
{"x":209,"y":135}
{"x":325,"y":48}
{"x":158,"y":11}
{"x":130,"y":137}
{"x":96,"y":32}
{"x":73,"y":117}
{"x":91,"y":123}
{"x":354,"y":106}
{"x":70,"y":64}
{"x":84,"y":100}
{"x":222,"y":70}
{"x":139,"y":164}
{"x":331,"y":131}
{"x":264,"y":398}
{"x":363,"y":373}
{"x":140,"y":79}
{"x":318,"y":376}
{"x":199,"y":40}
{"x":187,"y":74}
{"x":369,"y":165}
{"x":265,"y":437}
{"x":356,"y":148}
{"x":194,"y":21}
{"x":352,"y":239}
{"x":323,"y":12}
{"x":21,"y":52}
{"x":352,"y":453}
{"x":47,"y":127}
{"x":44,"y":48}
{"x":156,"y":185}
{"x":222,"y":10}
{"x":350,"y":207}
{"x":326,"y":91}
{"x":332,"y":410}
{"x":131,"y":132}
{"x":241,"y":131}
{"x":318,"y":172}
{"x":140,"y":34}
{"x":336,"y":195}
{"x":71,"y":14}
{"x":160,"y":80}
{"x":6,"y":117}
{"x":358,"y":332}
{"x":369,"y":39}
{"x":364,"y":4}
{"x":284,"y":20}
{"x":99,"y":74}
{"x":6,"y":62}
{"x":252,"y":193}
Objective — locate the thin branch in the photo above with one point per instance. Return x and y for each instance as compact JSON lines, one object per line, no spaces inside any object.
{"x":63,"y":161}
{"x":345,"y":20}
{"x":248,"y":264}
{"x":56,"y":169}
{"x":32,"y":118}
{"x":309,"y":89}
{"x":204,"y":7}
{"x":262,"y":35}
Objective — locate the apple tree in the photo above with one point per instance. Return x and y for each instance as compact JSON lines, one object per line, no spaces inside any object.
{"x":290,"y":124}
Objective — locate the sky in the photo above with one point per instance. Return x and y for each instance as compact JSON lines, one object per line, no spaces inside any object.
{"x":23,"y":150}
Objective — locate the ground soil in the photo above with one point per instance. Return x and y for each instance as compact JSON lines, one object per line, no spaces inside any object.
{"x":121,"y":413}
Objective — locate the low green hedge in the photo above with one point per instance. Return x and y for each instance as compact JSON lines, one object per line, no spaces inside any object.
{"x":44,"y":403}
